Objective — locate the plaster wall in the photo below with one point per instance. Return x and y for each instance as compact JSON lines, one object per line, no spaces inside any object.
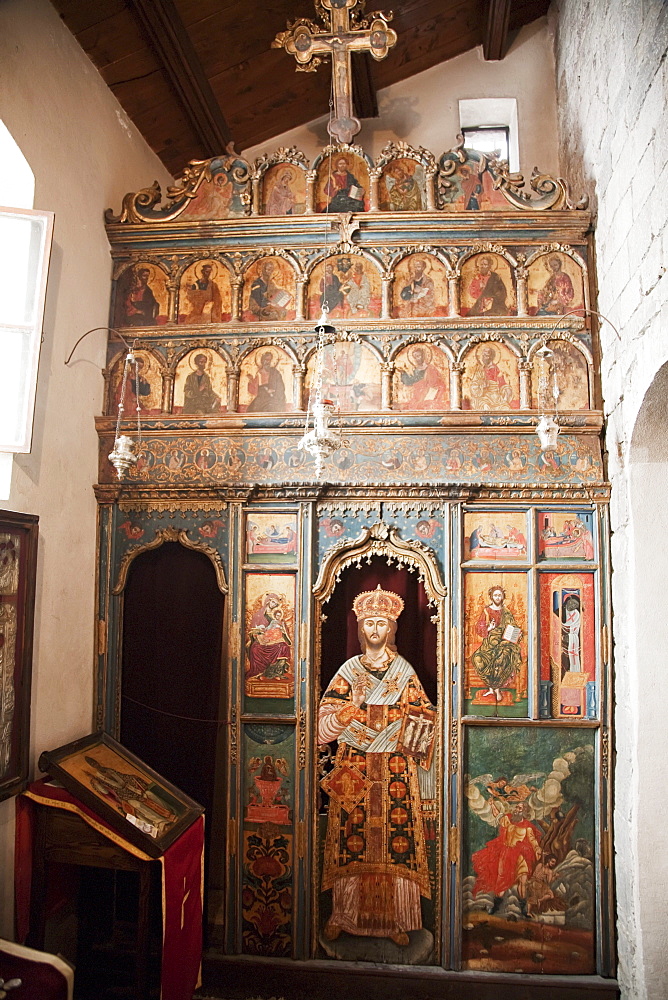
{"x":424,"y":111}
{"x":612,"y":85}
{"x":85,"y":155}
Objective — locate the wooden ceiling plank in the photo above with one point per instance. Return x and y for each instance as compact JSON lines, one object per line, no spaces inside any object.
{"x":245,"y":39}
{"x":112,"y":38}
{"x":172,"y":44}
{"x":195,"y":12}
{"x":495,"y":38}
{"x":245,"y":85}
{"x":134,"y":68}
{"x":154,"y":92}
{"x":525,"y":11}
{"x":78,"y":16}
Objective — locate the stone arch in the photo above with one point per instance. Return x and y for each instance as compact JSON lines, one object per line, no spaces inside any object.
{"x":641,"y":635}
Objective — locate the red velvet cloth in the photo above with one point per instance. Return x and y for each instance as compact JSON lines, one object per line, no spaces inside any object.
{"x":43,"y":977}
{"x":182,"y":884}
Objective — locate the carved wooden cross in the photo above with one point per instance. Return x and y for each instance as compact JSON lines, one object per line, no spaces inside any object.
{"x":306,"y":42}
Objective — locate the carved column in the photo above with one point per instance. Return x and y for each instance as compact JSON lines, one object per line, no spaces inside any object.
{"x":456,"y":370}
{"x":299,"y":300}
{"x":107,"y":401}
{"x":232,"y":390}
{"x":374,"y":177}
{"x":236,"y":299}
{"x":386,"y":373}
{"x":309,"y":207}
{"x":172,"y":305}
{"x":522,"y":302}
{"x":298,"y":374}
{"x":430,"y":179}
{"x":256,"y":195}
{"x":386,"y":297}
{"x":453,"y":294}
{"x":526,"y":368}
{"x":167,"y":391}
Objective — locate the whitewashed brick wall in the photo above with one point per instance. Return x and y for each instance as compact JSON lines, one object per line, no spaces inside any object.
{"x":612,"y":85}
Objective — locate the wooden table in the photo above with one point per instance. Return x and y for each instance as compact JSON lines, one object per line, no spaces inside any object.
{"x":63,"y":837}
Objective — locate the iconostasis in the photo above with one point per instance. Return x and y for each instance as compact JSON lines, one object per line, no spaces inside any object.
{"x":460,"y":817}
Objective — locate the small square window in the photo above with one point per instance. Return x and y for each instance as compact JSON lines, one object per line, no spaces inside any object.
{"x":492,"y":140}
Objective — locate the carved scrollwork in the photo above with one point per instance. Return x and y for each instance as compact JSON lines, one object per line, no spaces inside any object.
{"x":397,"y":149}
{"x":380,"y":540}
{"x":552,"y":192}
{"x":170,"y":535}
{"x":341,"y":147}
{"x":140,"y":206}
{"x":284,"y":154}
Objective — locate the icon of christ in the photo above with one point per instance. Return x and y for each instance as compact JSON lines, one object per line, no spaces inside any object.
{"x":375,"y":709}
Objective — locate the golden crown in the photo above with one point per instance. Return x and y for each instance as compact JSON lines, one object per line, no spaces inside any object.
{"x":378,"y":604}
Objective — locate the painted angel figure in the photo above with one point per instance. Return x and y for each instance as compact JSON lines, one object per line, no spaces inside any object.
{"x":534,"y":835}
{"x":508,"y":859}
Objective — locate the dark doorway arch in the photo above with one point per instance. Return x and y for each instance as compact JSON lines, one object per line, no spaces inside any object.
{"x":416,"y":637}
{"x":171,"y":669}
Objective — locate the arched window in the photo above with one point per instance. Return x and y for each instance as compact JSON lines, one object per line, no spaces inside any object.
{"x":25,"y":243}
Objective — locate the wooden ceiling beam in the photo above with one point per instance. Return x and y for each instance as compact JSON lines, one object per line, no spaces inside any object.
{"x":365,"y":99}
{"x":171,"y":43}
{"x":495,"y":38}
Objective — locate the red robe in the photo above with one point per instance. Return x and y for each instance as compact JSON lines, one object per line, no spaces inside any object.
{"x":508,"y":856}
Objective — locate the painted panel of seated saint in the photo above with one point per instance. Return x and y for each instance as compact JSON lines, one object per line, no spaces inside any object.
{"x":284,"y":190}
{"x":555,"y":286}
{"x":495,"y":644}
{"x":568,"y":365}
{"x":205,"y":293}
{"x":342,"y":183}
{"x":491,"y":378}
{"x":421,"y":379}
{"x":143,"y":387}
{"x":265,"y":381}
{"x":141,"y":296}
{"x":350,"y":377}
{"x":528,"y":892}
{"x":348,"y":285}
{"x":269,"y":636}
{"x":420,"y":287}
{"x":402,"y":186}
{"x":486,"y":287}
{"x":269,"y":291}
{"x":200,"y":386}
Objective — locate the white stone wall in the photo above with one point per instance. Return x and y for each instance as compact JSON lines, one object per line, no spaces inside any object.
{"x":85,"y":155}
{"x":612,"y":86}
